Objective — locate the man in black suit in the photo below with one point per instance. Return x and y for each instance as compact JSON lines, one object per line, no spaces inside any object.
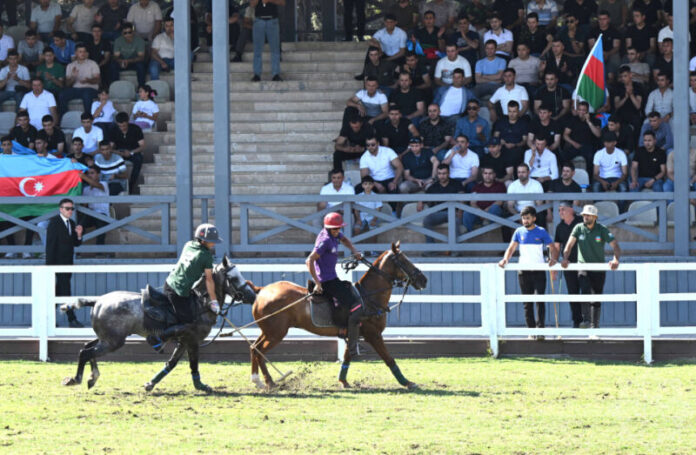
{"x":62,"y":236}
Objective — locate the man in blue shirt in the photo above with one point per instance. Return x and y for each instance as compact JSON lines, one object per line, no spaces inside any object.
{"x":531,"y":239}
{"x":477,"y":129}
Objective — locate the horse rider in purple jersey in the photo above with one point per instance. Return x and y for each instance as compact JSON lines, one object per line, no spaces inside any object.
{"x":322,"y":267}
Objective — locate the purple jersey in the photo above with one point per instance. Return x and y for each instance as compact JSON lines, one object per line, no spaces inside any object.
{"x":326,"y":247}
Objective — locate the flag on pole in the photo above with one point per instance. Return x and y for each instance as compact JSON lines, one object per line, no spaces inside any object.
{"x":591,"y":84}
{"x":31,"y":176}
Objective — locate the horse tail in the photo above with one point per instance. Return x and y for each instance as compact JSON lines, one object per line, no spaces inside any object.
{"x":77,"y":305}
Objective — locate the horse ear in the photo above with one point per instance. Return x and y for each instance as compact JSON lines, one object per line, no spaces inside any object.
{"x":225,"y":261}
{"x":395,"y":246}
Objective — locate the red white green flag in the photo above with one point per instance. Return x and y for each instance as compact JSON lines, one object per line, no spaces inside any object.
{"x":591,"y":84}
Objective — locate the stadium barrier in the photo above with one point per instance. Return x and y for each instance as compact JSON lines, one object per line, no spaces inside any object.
{"x":492,"y":299}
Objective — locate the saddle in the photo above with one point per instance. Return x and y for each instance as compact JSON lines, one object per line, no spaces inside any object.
{"x":159,"y":313}
{"x":325,"y":310}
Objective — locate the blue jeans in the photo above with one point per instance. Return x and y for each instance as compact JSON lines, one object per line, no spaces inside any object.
{"x":69,"y":93}
{"x":139,"y":67}
{"x":469,"y":219}
{"x":434,"y":220}
{"x":11,"y":95}
{"x":657,"y":186}
{"x":668,"y":186}
{"x":266,"y":30}
{"x":597,"y":187}
{"x":155,"y":67}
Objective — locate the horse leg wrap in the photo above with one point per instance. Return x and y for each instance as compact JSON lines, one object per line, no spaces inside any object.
{"x":159,"y":376}
{"x":397,"y":374}
{"x":344,"y":372}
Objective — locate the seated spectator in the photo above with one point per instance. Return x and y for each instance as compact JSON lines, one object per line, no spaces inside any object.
{"x":146,"y":17}
{"x":396,"y":131}
{"x":489,"y":71}
{"x":573,"y":38}
{"x":666,"y":32}
{"x":436,"y":132}
{"x":618,"y":12}
{"x":489,"y":184}
{"x":559,"y":63}
{"x":463,"y":163}
{"x":129,"y":54}
{"x":145,"y":110}
{"x":580,"y":135}
{"x":628,"y":99}
{"x":623,"y":132}
{"x":103,"y":111}
{"x":554,"y":96}
{"x":447,"y":64}
{"x":545,"y":10}
{"x":82,"y":81}
{"x":661,"y":99}
{"x":661,"y":129}
{"x":409,"y":99}
{"x":665,"y":61}
{"x":502,"y":36}
{"x":6,"y":142}
{"x":510,"y":91}
{"x":390,"y":40}
{"x":40,"y":143}
{"x":45,"y":19}
{"x":692,"y":98}
{"x":420,"y":168}
{"x":94,"y":187}
{"x":80,"y":21}
{"x":77,"y":155}
{"x":419,"y":73}
{"x":642,"y":37}
{"x":90,"y":134}
{"x":128,"y":141}
{"x":366,"y":221}
{"x":443,"y":185}
{"x":14,"y":79}
{"x":453,"y":99}
{"x":584,"y":11}
{"x":38,"y":103}
{"x":383,"y":165}
{"x":512,"y":132}
{"x":24,"y":133}
{"x":6,"y":44}
{"x":648,"y":167}
{"x":466,"y":40}
{"x":99,"y":50}
{"x":430,"y":39}
{"x":477,"y":129}
{"x":55,"y":138}
{"x":380,"y":69}
{"x":565,"y":183}
{"x":536,"y":37}
{"x":112,"y":167}
{"x":526,"y":68}
{"x":52,"y":73}
{"x":30,"y":50}
{"x":350,"y":143}
{"x":542,"y":162}
{"x":445,"y":12}
{"x":336,"y":187}
{"x":640,"y":71}
{"x":525,"y":185}
{"x":545,"y":126}
{"x":611,"y":43}
{"x":406,"y":14}
{"x":669,"y":181}
{"x":369,"y":103}
{"x":162,"y":51}
{"x":501,"y":165}
{"x":63,"y":48}
{"x":110,"y":16}
{"x":610,"y":167}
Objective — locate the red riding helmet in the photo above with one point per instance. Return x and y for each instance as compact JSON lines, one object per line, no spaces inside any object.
{"x":333,"y":221}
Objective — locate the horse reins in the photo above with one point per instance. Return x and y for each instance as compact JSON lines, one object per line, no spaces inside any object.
{"x":351,"y":263}
{"x":256,"y":321}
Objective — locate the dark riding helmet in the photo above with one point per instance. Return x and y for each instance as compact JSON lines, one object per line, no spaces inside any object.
{"x":207,"y":233}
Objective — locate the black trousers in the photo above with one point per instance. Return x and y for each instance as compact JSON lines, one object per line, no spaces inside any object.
{"x":137,"y":160}
{"x":182,"y":305}
{"x":592,"y":283}
{"x":89,"y":221}
{"x":533,"y":282}
{"x":341,"y":291}
{"x":348,"y":6}
{"x":571,"y":279}
{"x":339,"y":157}
{"x":63,"y":290}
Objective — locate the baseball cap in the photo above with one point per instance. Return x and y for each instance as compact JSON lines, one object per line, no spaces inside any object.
{"x":589,"y":210}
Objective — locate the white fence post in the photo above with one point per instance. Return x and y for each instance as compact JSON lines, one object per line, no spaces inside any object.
{"x":489,"y":299}
{"x":43,"y":282}
{"x":647,"y":282}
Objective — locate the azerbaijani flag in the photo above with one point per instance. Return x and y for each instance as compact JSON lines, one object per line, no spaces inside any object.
{"x":31,"y":176}
{"x":591,"y":83}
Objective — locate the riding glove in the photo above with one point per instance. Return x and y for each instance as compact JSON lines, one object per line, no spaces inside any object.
{"x":215,"y":306}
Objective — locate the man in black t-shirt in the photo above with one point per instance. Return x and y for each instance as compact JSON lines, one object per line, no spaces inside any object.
{"x":511,"y":13}
{"x":128,"y":141}
{"x":443,"y":186}
{"x":568,"y":220}
{"x":611,"y":43}
{"x":565,"y":183}
{"x":629,"y":99}
{"x":55,"y":136}
{"x":430,"y":38}
{"x":581,"y":135}
{"x":350,"y":143}
{"x":420,"y":168}
{"x":500,"y":164}
{"x":99,"y":50}
{"x":24,"y":133}
{"x":642,"y":37}
{"x":512,"y":132}
{"x":554,"y":96}
{"x":545,"y":126}
{"x":648,"y":167}
{"x":395,"y":131}
{"x":420,"y":77}
{"x":409,"y":99}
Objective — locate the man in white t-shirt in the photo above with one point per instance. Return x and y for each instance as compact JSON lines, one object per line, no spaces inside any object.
{"x":6,"y":44}
{"x":453,"y":99}
{"x":382,"y":164}
{"x":524,"y":185}
{"x":368,"y":103}
{"x":14,"y":79}
{"x":500,"y":35}
{"x":390,"y":40}
{"x":162,"y":51}
{"x":91,"y":135}
{"x":510,"y":91}
{"x":39,"y":102}
{"x":610,"y":166}
{"x":542,"y":162}
{"x":463,"y":163}
{"x":446,"y":65}
{"x":336,"y":187}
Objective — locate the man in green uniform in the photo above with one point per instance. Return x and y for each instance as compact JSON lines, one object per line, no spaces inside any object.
{"x":591,"y":237}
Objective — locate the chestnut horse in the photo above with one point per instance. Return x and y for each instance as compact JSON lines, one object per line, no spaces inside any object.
{"x":377,"y":283}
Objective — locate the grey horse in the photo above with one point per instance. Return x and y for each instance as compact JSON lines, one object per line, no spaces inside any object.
{"x":118,"y":314}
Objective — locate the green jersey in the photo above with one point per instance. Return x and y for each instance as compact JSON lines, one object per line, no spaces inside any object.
{"x":591,"y":242}
{"x":194,"y":259}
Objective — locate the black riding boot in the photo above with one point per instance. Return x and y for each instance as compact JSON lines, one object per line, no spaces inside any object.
{"x":594,"y":316}
{"x":354,"y":332}
{"x":158,"y":342}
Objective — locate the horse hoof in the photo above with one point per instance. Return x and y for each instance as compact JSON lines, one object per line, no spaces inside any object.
{"x":344,"y":384}
{"x":259,"y":385}
{"x":412,"y":386}
{"x":149,"y":386}
{"x":204,"y":388}
{"x":70,"y":381}
{"x":91,"y":383}
{"x":271,"y":385}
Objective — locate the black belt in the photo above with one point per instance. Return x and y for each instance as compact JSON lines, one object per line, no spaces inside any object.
{"x":266,"y":18}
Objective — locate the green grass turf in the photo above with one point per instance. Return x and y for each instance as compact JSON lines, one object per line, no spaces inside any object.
{"x":473,"y":405}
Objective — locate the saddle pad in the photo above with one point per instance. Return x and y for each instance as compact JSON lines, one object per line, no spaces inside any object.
{"x":321,"y":313}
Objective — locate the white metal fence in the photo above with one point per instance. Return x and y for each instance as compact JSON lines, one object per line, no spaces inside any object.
{"x":492,"y":298}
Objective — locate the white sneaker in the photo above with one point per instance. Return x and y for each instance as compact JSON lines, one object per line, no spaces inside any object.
{"x":26,"y":255}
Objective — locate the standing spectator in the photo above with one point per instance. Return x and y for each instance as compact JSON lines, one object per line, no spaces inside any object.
{"x":63,"y":47}
{"x":30,"y":50}
{"x":523,"y":185}
{"x":661,"y":129}
{"x":99,"y":50}
{"x":436,"y":132}
{"x":45,"y":19}
{"x":661,"y":99}
{"x":447,"y":64}
{"x":81,"y":20}
{"x":463,"y":163}
{"x":162,"y":52}
{"x":96,"y":188}
{"x":453,"y":99}
{"x":6,"y":44}
{"x":396,"y":131}
{"x":348,"y":7}
{"x":111,"y":16}
{"x":420,"y":168}
{"x":24,"y":133}
{"x":390,"y":40}
{"x":146,"y":17}
{"x":14,"y":79}
{"x":531,"y":239}
{"x":369,"y":103}
{"x":38,"y":103}
{"x":642,"y":37}
{"x":610,"y":167}
{"x":443,"y":185}
{"x":466,"y":40}
{"x":62,"y":236}
{"x":591,"y":251}
{"x":430,"y":38}
{"x":554,"y":96}
{"x":336,"y":187}
{"x":488,"y":185}
{"x":383,"y":165}
{"x":510,"y":91}
{"x":536,"y":37}
{"x":489,"y":71}
{"x":55,"y":138}
{"x":145,"y":110}
{"x":444,"y":10}
{"x":408,"y":98}
{"x":350,"y":143}
{"x":128,"y":141}
{"x":648,"y":167}
{"x":112,"y":167}
{"x":406,"y":14}
{"x":266,"y":27}
{"x":526,"y":69}
{"x":500,"y":164}
{"x":566,"y":224}
{"x":546,"y":10}
{"x":580,"y":135}
{"x":103,"y":111}
{"x":545,"y":126}
{"x":512,"y":132}
{"x":129,"y":54}
{"x":477,"y":129}
{"x":542,"y":163}
{"x":82,"y":81}
{"x":52,"y":73}
{"x":91,"y":135}
{"x":611,"y":43}
{"x":502,"y":36}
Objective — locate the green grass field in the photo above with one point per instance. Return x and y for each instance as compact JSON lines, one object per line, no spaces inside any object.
{"x":473,"y":405}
